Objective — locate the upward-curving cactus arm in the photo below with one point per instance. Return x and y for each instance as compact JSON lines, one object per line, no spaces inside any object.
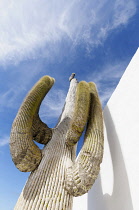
{"x":27,"y":125}
{"x":83,"y":173}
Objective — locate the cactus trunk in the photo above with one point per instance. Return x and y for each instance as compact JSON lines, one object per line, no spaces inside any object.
{"x":45,"y":186}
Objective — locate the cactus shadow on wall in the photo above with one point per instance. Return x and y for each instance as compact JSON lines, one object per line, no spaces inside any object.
{"x":121,"y":195}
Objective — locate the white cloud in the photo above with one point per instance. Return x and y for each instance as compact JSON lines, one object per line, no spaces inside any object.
{"x":108,"y":78}
{"x":52,"y":105}
{"x":18,"y":83}
{"x":110,"y":72}
{"x":123,"y":11}
{"x":8,"y":98}
{"x":29,"y":26}
{"x":4,"y":140}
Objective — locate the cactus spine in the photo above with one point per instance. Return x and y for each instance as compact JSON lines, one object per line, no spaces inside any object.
{"x":56,"y":174}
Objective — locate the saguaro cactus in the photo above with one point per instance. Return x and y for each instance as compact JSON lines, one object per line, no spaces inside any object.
{"x":56,"y":174}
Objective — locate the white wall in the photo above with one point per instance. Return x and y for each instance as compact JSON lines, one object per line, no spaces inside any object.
{"x":117,"y":187}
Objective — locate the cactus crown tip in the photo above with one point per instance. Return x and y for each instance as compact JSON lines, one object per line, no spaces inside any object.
{"x":72,"y":76}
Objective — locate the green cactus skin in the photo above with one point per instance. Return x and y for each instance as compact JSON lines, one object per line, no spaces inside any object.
{"x":57,"y":175}
{"x":25,"y":154}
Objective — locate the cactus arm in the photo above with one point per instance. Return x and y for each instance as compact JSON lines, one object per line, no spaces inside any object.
{"x":40,"y":131}
{"x":25,"y":153}
{"x":80,"y":116}
{"x":83,"y":173}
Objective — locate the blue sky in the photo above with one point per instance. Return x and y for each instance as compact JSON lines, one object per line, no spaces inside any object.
{"x":95,"y":39}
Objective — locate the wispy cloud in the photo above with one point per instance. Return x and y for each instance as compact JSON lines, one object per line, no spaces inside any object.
{"x":17,"y":83}
{"x":9,"y":98}
{"x":52,"y":105}
{"x":4,"y":140}
{"x":108,"y":78}
{"x":27,"y":27}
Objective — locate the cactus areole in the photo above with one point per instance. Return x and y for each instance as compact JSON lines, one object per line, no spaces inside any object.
{"x":56,"y":173}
